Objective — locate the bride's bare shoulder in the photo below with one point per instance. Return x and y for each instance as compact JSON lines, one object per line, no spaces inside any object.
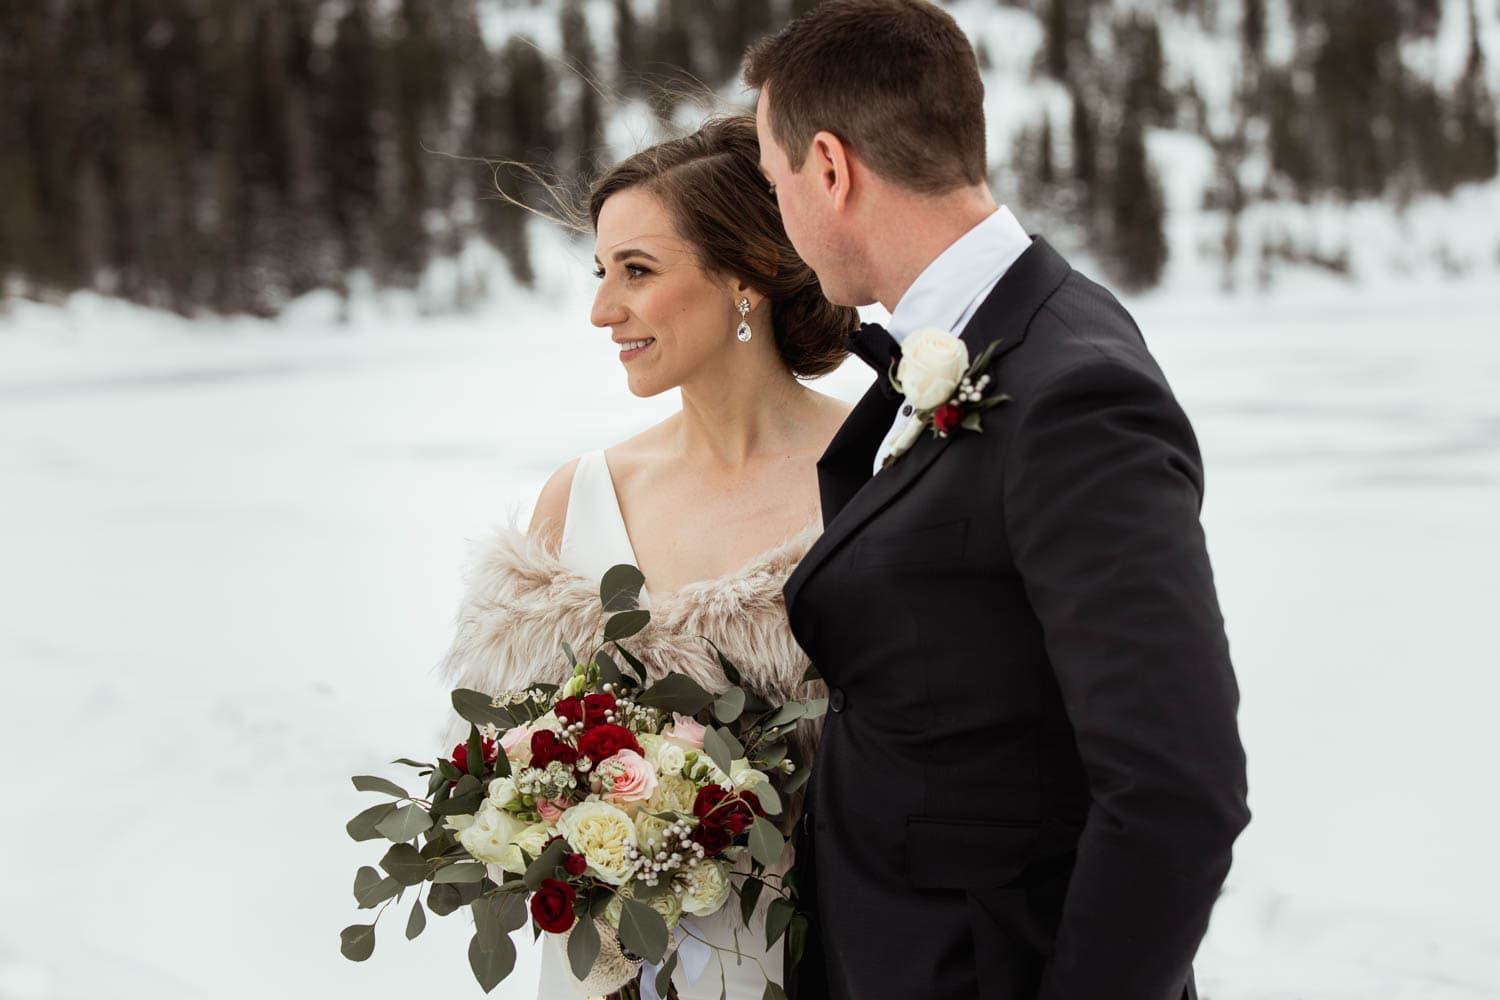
{"x":551,"y":511}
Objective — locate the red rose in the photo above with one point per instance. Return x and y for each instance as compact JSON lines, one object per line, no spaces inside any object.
{"x":946,"y":418}
{"x":461,"y":755}
{"x":596,"y":707}
{"x":713,"y":838}
{"x":728,"y":813}
{"x":552,"y":906}
{"x":606,"y":741}
{"x":546,"y":748}
{"x":569,"y":710}
{"x":575,"y":864}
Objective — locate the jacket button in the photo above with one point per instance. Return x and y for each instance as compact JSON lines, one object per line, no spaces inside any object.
{"x":836,"y":699}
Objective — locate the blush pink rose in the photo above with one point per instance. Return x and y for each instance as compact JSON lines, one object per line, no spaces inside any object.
{"x":635,"y":778}
{"x":513,"y":740}
{"x":549,"y":812}
{"x":685,"y":731}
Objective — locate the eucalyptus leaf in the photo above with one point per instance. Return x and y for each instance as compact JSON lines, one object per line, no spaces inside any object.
{"x":816,"y":708}
{"x":731,"y":672}
{"x":474,"y":707}
{"x":797,"y":780}
{"x":496,"y":916}
{"x":766,"y":842}
{"x":443,"y":899}
{"x":773,"y":992}
{"x":730,"y":704}
{"x":379,"y":892}
{"x":571,"y":654}
{"x":545,"y":864}
{"x":461,"y":805}
{"x":371,"y":783}
{"x":676,"y":693}
{"x":609,"y":670}
{"x":412,"y":763}
{"x":620,"y":590}
{"x":404,"y":864}
{"x":778,"y":916}
{"x":625,"y":624}
{"x":770,"y":799}
{"x":357,"y":942}
{"x":790,"y":712}
{"x":365,"y":879}
{"x":749,"y":896}
{"x":417,"y":922}
{"x":404,"y":824}
{"x":642,"y":930}
{"x":664,"y":974}
{"x":972,"y":423}
{"x":717,"y":749}
{"x":470,"y":872}
{"x":771,"y":755}
{"x":583,"y":947}
{"x":636,"y":666}
{"x":796,"y":937}
{"x":811,"y":674}
{"x":362,"y":827}
{"x":491,"y":966}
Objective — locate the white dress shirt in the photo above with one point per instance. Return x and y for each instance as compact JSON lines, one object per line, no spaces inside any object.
{"x":950,"y":289}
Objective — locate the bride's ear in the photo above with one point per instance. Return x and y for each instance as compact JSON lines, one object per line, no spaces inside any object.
{"x":740,"y":290}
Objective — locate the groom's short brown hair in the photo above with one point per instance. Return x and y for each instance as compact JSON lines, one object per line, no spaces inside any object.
{"x":896,"y":80}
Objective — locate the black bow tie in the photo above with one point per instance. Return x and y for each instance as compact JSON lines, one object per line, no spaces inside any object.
{"x":874,"y":345}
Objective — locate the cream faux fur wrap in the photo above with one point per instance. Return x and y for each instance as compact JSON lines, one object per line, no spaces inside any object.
{"x":521,"y":602}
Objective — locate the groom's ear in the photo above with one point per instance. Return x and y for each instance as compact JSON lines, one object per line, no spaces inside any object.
{"x":830,"y":159}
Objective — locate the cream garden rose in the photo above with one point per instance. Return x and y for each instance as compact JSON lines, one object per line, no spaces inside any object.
{"x":933,"y":362}
{"x":601,"y":833}
{"x":706,"y":889}
{"x":491,"y":833}
{"x":674,"y":793}
{"x":533,"y":839}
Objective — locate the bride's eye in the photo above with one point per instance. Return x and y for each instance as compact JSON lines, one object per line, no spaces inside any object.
{"x":598,"y":272}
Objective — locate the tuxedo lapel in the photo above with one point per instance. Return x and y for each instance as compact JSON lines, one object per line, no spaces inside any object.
{"x":850,"y":497}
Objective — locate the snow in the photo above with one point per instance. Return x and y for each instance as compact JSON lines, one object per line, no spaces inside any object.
{"x":231,"y":553}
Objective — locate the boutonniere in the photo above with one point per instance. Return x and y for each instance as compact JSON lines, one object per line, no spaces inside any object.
{"x":945,"y":391}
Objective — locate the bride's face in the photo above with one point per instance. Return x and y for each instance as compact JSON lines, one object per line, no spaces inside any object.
{"x":668,"y":317}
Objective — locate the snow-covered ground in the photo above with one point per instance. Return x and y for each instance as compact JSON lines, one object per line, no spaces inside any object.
{"x":229,"y":554}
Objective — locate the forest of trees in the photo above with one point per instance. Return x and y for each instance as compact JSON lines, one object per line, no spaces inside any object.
{"x":228,"y":155}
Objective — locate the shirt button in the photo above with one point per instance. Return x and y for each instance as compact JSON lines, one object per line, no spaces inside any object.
{"x":836,"y":699}
{"x":906,"y":410}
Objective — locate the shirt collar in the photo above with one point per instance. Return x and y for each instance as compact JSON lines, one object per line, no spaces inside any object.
{"x":946,"y":289}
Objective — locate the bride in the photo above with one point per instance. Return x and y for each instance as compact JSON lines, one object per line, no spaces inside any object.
{"x":701,"y":291}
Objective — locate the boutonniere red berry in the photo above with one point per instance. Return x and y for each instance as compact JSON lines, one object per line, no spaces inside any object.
{"x":945,"y":391}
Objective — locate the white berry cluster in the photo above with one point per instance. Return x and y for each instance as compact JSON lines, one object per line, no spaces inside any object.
{"x":972,"y":392}
{"x":672,"y":853}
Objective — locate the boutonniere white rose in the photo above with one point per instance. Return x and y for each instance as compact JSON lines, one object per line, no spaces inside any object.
{"x":945,"y":391}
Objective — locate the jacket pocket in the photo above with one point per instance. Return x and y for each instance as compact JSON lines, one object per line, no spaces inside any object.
{"x":966,"y":854}
{"x":932,"y":543}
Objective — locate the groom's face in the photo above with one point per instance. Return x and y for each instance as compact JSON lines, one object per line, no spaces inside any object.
{"x":807,"y":212}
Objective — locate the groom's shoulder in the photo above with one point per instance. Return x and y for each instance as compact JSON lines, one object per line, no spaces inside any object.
{"x":1081,"y":323}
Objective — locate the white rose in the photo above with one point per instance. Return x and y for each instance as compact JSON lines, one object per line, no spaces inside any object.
{"x":532,"y":840}
{"x":490,"y":833}
{"x":601,"y":833}
{"x":670,"y":758}
{"x":502,"y":792}
{"x":707,"y":888}
{"x":933,"y":363}
{"x":649,"y":830}
{"x":745,"y":777}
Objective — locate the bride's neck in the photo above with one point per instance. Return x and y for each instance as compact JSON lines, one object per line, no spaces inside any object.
{"x":732,"y":420}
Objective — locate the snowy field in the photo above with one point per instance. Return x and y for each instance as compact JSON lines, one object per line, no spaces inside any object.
{"x":229,"y":554}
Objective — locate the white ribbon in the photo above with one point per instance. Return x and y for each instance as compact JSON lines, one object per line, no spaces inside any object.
{"x":692,"y":958}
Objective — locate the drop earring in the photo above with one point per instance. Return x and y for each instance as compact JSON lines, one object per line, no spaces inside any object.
{"x":744,"y":331}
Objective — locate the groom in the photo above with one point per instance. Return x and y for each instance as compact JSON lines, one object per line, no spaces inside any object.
{"x":1030,"y":775}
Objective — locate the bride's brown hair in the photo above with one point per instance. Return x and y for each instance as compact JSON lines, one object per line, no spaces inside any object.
{"x":711,"y":185}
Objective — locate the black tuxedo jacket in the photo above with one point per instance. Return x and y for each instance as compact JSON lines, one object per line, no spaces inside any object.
{"x":1030,"y":775}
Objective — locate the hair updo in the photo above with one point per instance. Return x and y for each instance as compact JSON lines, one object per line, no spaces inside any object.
{"x":711,"y":185}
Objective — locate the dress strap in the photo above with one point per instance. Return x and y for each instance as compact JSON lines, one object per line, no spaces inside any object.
{"x":594,"y":534}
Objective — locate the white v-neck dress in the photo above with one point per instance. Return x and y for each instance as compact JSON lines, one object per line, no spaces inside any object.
{"x":594,"y":539}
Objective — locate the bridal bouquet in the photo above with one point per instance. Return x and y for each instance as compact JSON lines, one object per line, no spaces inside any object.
{"x":609,"y":809}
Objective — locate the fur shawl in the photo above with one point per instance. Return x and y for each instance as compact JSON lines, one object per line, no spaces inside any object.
{"x":521,"y":602}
